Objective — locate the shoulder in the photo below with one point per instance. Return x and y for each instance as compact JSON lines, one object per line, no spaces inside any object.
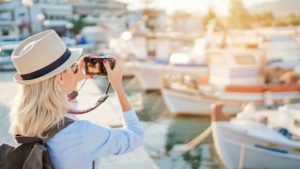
{"x":82,"y":131}
{"x":81,"y":124}
{"x":84,"y":125}
{"x":76,"y":127}
{"x":77,"y":130}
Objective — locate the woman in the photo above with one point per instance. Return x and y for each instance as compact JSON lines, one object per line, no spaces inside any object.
{"x":47,"y":72}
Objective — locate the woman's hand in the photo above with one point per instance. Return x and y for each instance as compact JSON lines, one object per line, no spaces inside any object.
{"x":115,"y":75}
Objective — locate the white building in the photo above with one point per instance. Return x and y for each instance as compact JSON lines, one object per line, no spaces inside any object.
{"x":107,"y":14}
{"x":16,"y":19}
{"x":55,"y":15}
{"x":13,"y":18}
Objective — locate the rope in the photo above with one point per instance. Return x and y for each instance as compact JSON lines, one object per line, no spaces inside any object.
{"x":198,"y":140}
{"x":242,"y":155}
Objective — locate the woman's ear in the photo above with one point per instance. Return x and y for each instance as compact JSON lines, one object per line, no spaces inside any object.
{"x":60,"y":79}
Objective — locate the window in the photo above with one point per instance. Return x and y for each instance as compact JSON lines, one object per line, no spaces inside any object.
{"x":6,"y":52}
{"x":244,"y":59}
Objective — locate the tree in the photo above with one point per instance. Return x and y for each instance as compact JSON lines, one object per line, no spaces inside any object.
{"x":239,"y":17}
{"x":181,"y":15}
{"x":151,"y":15}
{"x":78,"y":25}
{"x":293,"y":19}
{"x":290,"y":20}
{"x":210,"y":16}
{"x":264,"y":19}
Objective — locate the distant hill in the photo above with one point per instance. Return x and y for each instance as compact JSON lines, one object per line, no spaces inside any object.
{"x":279,"y":8}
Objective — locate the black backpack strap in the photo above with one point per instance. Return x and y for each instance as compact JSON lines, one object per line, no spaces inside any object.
{"x":52,"y":131}
{"x":24,"y":140}
{"x":49,"y":133}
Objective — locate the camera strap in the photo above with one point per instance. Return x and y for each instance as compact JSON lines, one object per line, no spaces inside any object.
{"x":102,"y":99}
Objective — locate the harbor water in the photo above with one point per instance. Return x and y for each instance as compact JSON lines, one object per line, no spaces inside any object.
{"x":165,"y":133}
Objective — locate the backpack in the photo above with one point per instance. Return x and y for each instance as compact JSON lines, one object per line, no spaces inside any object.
{"x":31,"y":153}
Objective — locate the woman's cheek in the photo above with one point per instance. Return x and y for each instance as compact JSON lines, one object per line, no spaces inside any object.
{"x":74,"y":83}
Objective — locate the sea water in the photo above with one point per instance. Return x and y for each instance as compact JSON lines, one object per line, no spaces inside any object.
{"x":164,"y":133}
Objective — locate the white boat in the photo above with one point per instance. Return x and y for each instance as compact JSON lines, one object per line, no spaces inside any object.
{"x":242,"y":143}
{"x":130,"y":68}
{"x":235,"y":77}
{"x":148,"y":74}
{"x":181,"y":99}
{"x":189,"y":60}
{"x":182,"y":102}
{"x":283,"y":51}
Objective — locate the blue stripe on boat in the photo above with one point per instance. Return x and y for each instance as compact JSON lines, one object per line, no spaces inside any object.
{"x":272,"y":149}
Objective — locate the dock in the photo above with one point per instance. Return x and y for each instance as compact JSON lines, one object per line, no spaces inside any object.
{"x":106,"y":114}
{"x":7,"y":94}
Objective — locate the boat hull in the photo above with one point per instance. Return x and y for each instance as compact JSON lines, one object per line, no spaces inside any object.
{"x":237,"y":149}
{"x":149,"y":75}
{"x":184,"y":103}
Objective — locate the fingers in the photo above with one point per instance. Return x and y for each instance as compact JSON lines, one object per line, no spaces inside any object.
{"x":81,"y":63}
{"x":117,"y":62}
{"x":107,"y":66}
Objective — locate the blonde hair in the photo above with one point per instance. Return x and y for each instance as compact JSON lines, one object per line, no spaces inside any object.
{"x":38,"y":107}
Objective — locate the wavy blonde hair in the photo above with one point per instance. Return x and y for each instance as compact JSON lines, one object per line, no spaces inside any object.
{"x":38,"y":107}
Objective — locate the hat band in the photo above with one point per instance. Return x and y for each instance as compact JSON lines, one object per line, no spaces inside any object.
{"x":41,"y":72}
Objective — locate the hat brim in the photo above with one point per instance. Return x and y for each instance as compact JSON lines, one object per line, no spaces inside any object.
{"x":75,"y":56}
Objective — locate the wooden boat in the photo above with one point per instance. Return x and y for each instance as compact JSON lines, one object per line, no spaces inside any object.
{"x":245,"y":143}
{"x":234,"y":76}
{"x":184,"y":100}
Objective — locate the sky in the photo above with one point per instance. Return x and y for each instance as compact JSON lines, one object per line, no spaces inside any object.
{"x":199,"y":6}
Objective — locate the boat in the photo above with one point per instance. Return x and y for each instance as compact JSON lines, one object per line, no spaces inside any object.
{"x":149,"y":73}
{"x":186,"y":60}
{"x":186,"y":99}
{"x":237,"y":79}
{"x":170,"y":53}
{"x":282,"y":51}
{"x":130,"y":68}
{"x":248,"y":141}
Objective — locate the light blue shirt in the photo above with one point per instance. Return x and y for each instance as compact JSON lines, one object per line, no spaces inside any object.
{"x":80,"y":143}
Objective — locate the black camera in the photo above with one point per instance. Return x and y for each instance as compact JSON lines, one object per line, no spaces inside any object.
{"x":94,"y":65}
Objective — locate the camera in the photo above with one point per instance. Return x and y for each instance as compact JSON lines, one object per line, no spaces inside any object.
{"x":94,"y":65}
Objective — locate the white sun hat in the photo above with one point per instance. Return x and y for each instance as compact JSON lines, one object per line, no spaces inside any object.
{"x":42,"y":56}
